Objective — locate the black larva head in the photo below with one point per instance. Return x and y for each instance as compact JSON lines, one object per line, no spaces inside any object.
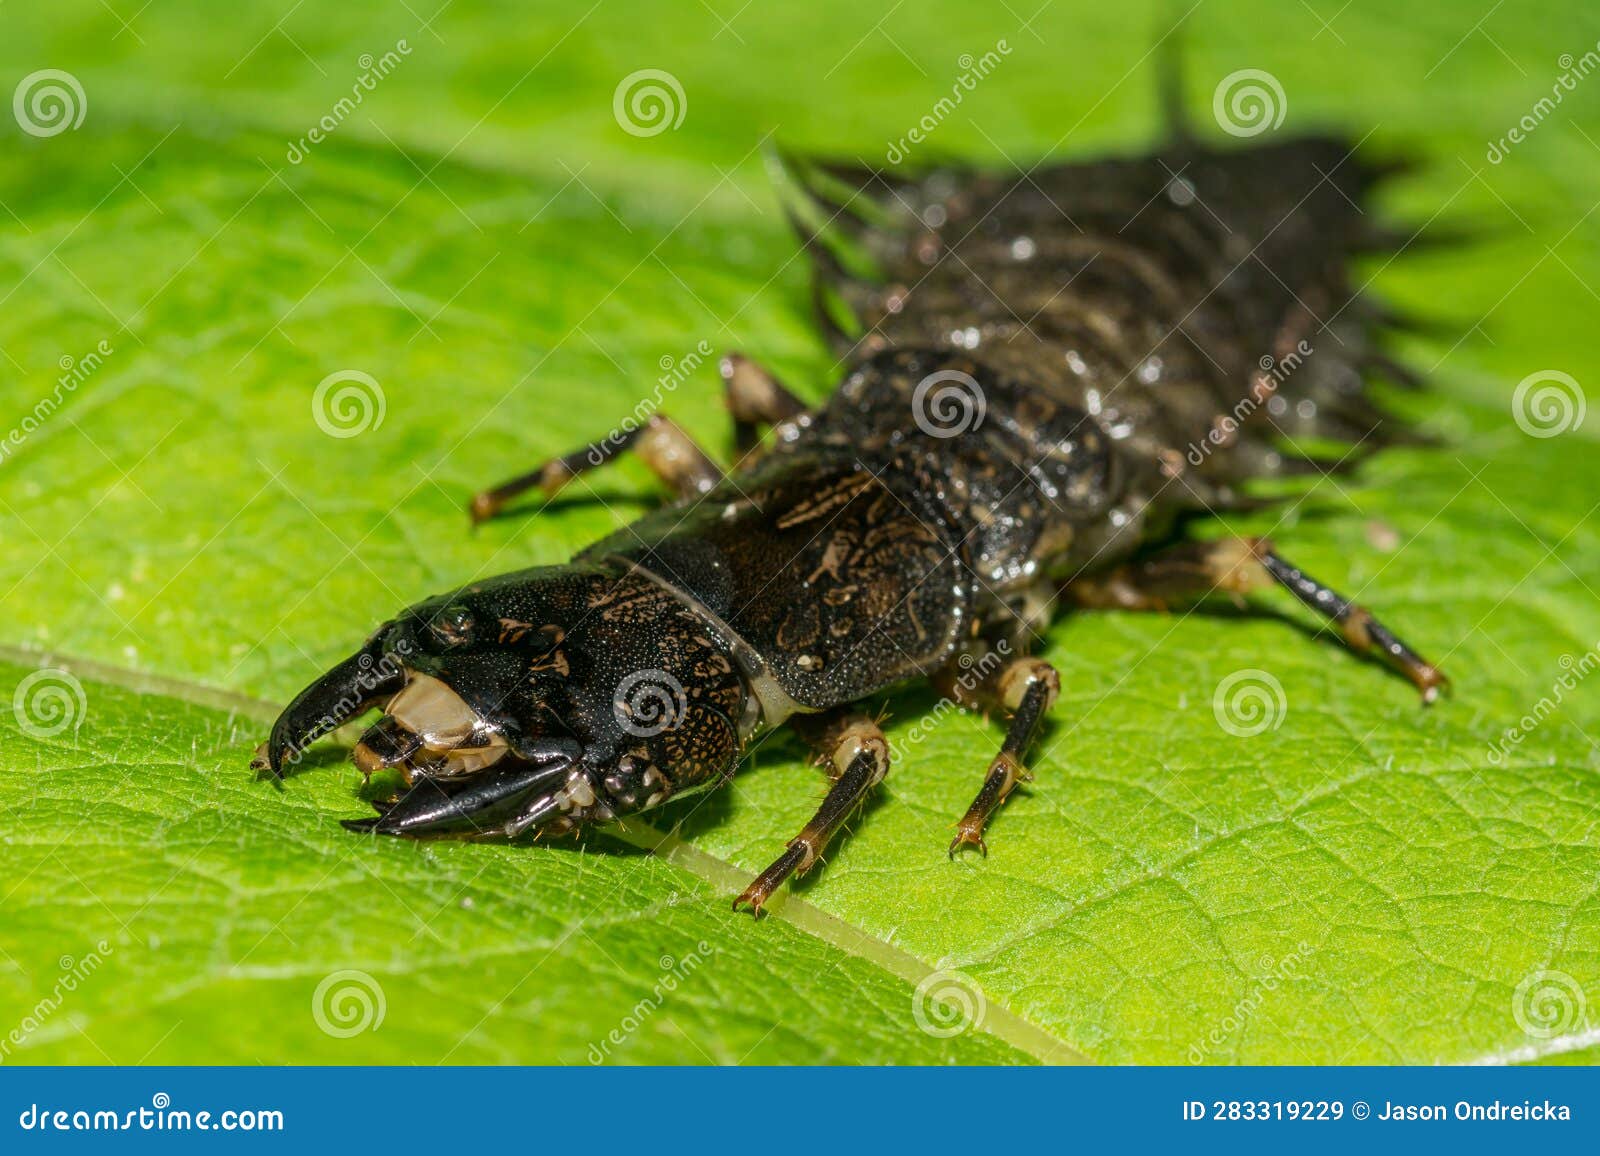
{"x":538,"y":699}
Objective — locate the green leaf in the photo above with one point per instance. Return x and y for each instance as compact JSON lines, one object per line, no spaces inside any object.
{"x":162,"y":906}
{"x":1362,"y":881}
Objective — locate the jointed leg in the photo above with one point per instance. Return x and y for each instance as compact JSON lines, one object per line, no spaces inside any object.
{"x":858,"y":756}
{"x":1362,"y":632}
{"x":1026,"y":689}
{"x":660,"y":443}
{"x":1238,"y":566}
{"x":755,"y":399}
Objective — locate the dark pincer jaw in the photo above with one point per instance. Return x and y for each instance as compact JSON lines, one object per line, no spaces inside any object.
{"x":501,"y":801}
{"x":539,"y":702}
{"x":367,"y":677}
{"x":471,"y":730}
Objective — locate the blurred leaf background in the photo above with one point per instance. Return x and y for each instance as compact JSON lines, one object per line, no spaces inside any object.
{"x":482,"y":238}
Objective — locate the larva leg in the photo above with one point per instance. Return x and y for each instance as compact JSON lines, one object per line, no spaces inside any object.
{"x":1238,"y":566}
{"x":857,"y":755}
{"x":660,"y":442}
{"x":1025,"y":689}
{"x":755,"y":399}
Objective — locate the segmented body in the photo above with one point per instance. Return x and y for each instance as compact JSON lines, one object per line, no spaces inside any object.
{"x":1053,"y":370}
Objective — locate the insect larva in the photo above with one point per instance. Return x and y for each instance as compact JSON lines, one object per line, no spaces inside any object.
{"x":1052,"y":370}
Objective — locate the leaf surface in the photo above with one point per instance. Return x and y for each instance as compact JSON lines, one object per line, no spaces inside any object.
{"x":1363,"y":881}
